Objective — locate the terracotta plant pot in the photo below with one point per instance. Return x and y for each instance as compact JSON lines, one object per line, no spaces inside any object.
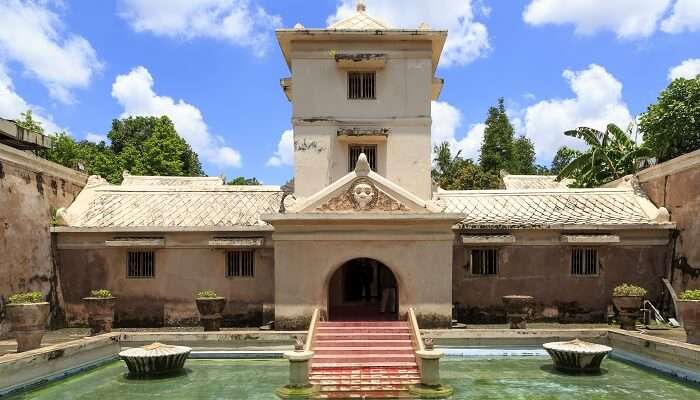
{"x":210,"y":312}
{"x":28,"y":323}
{"x":100,"y":313}
{"x":689,"y":313}
{"x":628,"y":308}
{"x":519,"y":309}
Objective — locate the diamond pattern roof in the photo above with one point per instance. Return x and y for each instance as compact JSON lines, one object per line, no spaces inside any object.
{"x":359,"y":21}
{"x":517,"y":182}
{"x":540,"y":208}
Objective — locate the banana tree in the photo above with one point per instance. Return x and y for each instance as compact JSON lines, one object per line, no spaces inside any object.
{"x":611,"y":155}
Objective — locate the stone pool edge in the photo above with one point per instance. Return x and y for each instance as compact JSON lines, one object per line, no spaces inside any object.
{"x":19,"y":371}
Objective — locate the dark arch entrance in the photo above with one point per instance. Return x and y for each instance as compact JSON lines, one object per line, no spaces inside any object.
{"x":363,"y":289}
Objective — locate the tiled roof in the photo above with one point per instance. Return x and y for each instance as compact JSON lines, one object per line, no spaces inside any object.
{"x":359,"y":21}
{"x":177,"y":205}
{"x":517,"y":182}
{"x":545,"y":208}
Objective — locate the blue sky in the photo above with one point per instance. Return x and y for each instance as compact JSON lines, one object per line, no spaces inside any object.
{"x":214,"y":66}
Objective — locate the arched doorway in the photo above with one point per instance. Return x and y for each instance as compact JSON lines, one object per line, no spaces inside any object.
{"x":363,"y":289}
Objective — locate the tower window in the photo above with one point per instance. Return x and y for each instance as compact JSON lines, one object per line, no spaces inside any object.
{"x":361,"y":85}
{"x":370,"y":151}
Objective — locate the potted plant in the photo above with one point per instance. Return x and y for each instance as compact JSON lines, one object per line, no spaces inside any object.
{"x":519,"y":309}
{"x":689,"y":313}
{"x":100,"y":307}
{"x":628,"y":302}
{"x":28,"y":313}
{"x":210,"y":307}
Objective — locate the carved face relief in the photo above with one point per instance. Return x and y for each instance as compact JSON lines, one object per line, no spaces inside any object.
{"x":363,"y":194}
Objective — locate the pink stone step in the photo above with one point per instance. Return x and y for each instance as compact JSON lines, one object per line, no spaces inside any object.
{"x":363,"y":343}
{"x":397,"y":364}
{"x":362,"y":329}
{"x":360,"y":358}
{"x":366,"y":395}
{"x":363,"y":350}
{"x":363,"y":336}
{"x":362,"y":323}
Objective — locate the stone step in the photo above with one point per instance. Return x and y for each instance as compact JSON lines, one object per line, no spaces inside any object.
{"x":366,"y":395}
{"x":362,"y":323}
{"x":353,"y":364}
{"x":361,"y":371}
{"x":354,"y":357}
{"x":362,"y":336}
{"x":363,"y":350}
{"x":365,"y":381}
{"x":363,"y":343}
{"x":362,"y":329}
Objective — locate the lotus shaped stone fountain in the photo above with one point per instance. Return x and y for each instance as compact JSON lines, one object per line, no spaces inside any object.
{"x":577,"y":355}
{"x":155,"y":359}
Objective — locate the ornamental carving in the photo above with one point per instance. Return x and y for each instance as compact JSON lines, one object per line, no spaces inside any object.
{"x":362,"y":195}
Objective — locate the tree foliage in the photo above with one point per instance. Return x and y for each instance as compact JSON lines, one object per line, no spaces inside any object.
{"x":497,"y":146}
{"x":671,"y":126}
{"x":240,"y":180}
{"x":523,"y":161}
{"x":140,"y":145}
{"x":28,"y":122}
{"x":456,"y":173}
{"x":563,"y":157}
{"x":610,"y":155}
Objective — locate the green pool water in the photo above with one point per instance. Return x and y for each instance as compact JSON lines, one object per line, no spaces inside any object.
{"x":530,"y":378}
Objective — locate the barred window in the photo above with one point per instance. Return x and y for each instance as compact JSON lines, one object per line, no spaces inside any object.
{"x":361,"y":85}
{"x":141,"y":264}
{"x":484,"y":261}
{"x":584,"y":261}
{"x":370,"y":151}
{"x":239,"y":264}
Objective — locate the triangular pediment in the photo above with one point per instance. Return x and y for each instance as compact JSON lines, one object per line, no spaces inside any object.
{"x":364,"y":191}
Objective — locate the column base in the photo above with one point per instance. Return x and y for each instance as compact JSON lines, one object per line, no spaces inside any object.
{"x":431,"y":392}
{"x":297,"y":392}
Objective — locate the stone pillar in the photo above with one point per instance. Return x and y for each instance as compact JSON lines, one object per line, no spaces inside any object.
{"x":299,"y":386}
{"x":430,"y":386}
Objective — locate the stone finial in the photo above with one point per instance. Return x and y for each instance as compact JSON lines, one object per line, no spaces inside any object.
{"x":663,"y":215}
{"x":361,"y":7}
{"x":125,"y":174}
{"x":299,"y":27}
{"x":95,"y":180}
{"x":299,"y":343}
{"x":62,"y":218}
{"x":362,"y":167}
{"x":424,"y":26}
{"x":429,"y":343}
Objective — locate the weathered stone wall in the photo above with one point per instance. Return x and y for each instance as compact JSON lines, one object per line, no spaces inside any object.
{"x":675,"y":185}
{"x":30,"y":189}
{"x":185,"y":266}
{"x":541,"y":267}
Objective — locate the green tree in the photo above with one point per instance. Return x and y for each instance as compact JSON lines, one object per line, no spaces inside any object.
{"x":610,"y":155}
{"x":240,"y":180}
{"x":523,"y":161}
{"x":671,"y":126}
{"x":456,"y":173}
{"x":28,"y":122}
{"x":563,"y":157}
{"x":497,"y":146}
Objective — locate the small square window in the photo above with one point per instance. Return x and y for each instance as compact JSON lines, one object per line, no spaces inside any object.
{"x":361,"y":85}
{"x":584,"y":261}
{"x":370,"y":151}
{"x":141,"y":264}
{"x":484,"y":262}
{"x":240,"y":264}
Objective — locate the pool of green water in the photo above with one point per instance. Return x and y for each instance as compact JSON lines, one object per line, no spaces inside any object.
{"x":530,"y":378}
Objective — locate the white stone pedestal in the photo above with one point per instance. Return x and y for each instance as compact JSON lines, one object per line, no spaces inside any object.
{"x":299,"y":386}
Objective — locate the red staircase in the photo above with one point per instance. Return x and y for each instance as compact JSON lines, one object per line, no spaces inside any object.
{"x":365,"y":360}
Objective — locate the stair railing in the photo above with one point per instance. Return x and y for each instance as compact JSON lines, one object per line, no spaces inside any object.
{"x":416,"y":338}
{"x":310,"y":335}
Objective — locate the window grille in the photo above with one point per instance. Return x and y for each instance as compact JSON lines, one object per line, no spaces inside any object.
{"x":484,"y":262}
{"x":584,"y":262}
{"x":141,"y":264}
{"x":361,"y":85}
{"x":370,"y":151}
{"x":239,"y":264}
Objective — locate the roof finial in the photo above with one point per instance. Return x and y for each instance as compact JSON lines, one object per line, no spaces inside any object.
{"x":361,"y":7}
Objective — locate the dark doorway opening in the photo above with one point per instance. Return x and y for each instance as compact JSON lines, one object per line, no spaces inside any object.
{"x":363,"y":289}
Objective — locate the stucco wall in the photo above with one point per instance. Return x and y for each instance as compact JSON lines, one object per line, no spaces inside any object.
{"x":419,"y":258}
{"x":185,"y":266}
{"x":544,"y":272}
{"x":675,"y":185}
{"x":30,"y":188}
{"x":402,"y":105}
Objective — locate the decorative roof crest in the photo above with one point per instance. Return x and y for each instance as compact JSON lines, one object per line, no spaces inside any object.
{"x":361,"y":6}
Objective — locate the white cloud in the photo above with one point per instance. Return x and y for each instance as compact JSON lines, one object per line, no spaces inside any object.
{"x":285,"y":151}
{"x":597,"y":102}
{"x":134,"y":91}
{"x":237,"y":21}
{"x":629,"y":19}
{"x":95,"y":137}
{"x":33,"y":36}
{"x":688,"y":69}
{"x":447,"y":119}
{"x":467,"y":39}
{"x":12,"y":105}
{"x":685,"y":16}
